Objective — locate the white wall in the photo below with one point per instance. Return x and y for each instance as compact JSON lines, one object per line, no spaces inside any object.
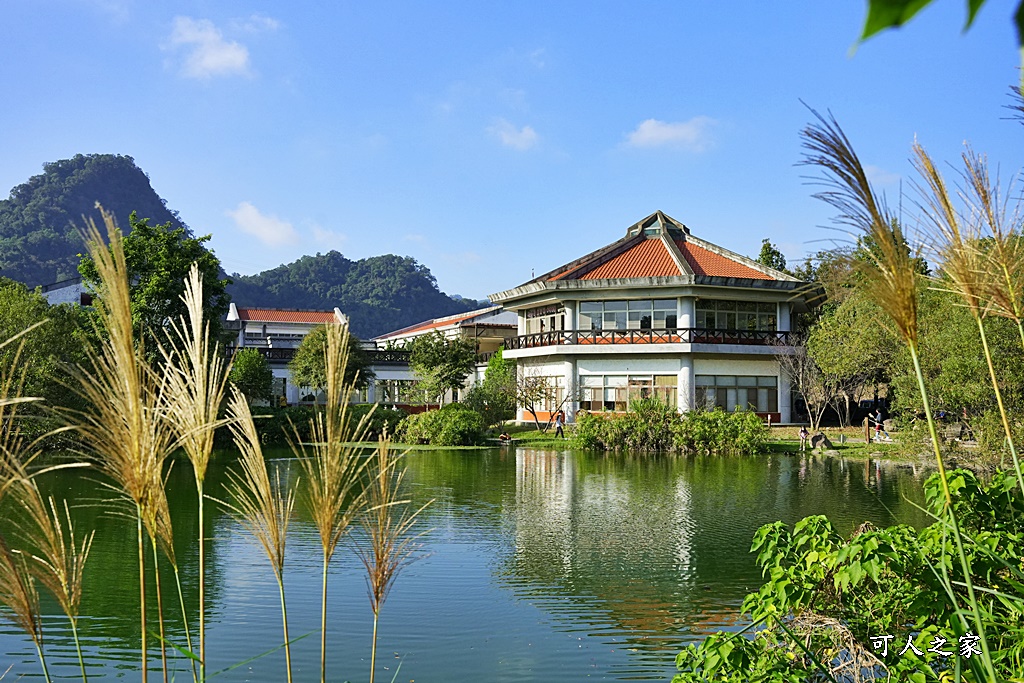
{"x":729,"y":366}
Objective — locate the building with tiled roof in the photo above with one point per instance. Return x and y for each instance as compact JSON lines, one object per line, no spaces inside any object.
{"x":659,"y":313}
{"x":277,"y":332}
{"x":489,"y":328}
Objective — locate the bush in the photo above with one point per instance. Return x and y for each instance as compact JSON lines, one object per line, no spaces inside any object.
{"x":382,"y":418}
{"x":716,"y":431}
{"x":451,"y":425}
{"x":653,"y":426}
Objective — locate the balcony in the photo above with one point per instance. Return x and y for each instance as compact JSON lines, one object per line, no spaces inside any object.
{"x":676,"y":336}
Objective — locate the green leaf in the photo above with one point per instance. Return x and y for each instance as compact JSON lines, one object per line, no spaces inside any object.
{"x":972,"y":11}
{"x":883,"y":14}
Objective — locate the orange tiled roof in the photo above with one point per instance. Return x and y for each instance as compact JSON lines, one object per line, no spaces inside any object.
{"x":649,"y":258}
{"x":275,"y":315}
{"x":433,"y":324}
{"x":706,"y":262}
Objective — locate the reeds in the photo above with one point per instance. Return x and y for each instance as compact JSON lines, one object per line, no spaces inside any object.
{"x":262,"y":506}
{"x":197,"y":374}
{"x":388,"y":522}
{"x":124,"y":425}
{"x":332,"y":470}
{"x":890,"y":278}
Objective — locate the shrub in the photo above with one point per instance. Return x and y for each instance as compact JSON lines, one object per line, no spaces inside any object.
{"x":451,"y":425}
{"x":653,"y":426}
{"x":382,"y":418}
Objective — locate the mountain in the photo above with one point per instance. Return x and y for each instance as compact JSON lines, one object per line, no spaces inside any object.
{"x":39,"y":223}
{"x":378,"y":294}
{"x":39,"y":244}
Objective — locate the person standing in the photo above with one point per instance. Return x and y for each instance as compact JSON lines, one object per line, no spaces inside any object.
{"x":559,"y":422}
{"x":804,"y":436}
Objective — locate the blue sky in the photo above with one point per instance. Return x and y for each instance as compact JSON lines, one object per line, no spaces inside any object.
{"x":492,"y":139}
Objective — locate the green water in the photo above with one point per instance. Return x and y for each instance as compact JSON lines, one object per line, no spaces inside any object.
{"x":539,"y":566}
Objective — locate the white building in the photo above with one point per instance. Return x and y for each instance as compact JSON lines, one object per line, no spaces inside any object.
{"x":660,"y":313}
{"x":277,"y":333}
{"x":489,"y":329}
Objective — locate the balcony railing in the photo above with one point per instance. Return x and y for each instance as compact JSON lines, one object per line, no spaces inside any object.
{"x":388,"y":356}
{"x":271,"y":354}
{"x":677,"y":336}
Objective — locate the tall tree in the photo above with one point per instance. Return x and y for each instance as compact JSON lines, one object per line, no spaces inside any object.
{"x":252,"y":375}
{"x":441,"y":363}
{"x":159,"y":258}
{"x":48,"y":349}
{"x":771,"y":257}
{"x":309,"y":365}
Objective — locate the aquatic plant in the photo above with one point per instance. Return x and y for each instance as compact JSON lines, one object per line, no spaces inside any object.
{"x":124,"y":425}
{"x":333,"y":488}
{"x":261,"y":505}
{"x":389,"y":524}
{"x":197,"y":374}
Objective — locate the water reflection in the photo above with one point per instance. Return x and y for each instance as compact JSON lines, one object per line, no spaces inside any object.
{"x":542,"y":566}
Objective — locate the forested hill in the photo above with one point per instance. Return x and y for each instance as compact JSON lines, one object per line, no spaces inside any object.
{"x":378,"y":294}
{"x":39,"y":223}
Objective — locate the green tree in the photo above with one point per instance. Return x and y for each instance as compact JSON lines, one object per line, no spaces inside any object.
{"x":441,"y":363}
{"x":771,"y":257}
{"x":852,"y":347}
{"x":49,"y":349}
{"x":252,"y":375}
{"x":495,"y":397}
{"x":308,"y":366}
{"x":159,"y":258}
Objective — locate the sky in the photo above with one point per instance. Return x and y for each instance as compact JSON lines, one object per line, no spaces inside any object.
{"x":494,"y":140}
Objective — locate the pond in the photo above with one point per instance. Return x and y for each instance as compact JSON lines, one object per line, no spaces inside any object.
{"x":539,"y":566}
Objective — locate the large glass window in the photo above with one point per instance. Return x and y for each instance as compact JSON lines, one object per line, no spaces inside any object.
{"x":642,"y":314}
{"x":732,"y":392}
{"x":715,"y":314}
{"x":616,"y":392}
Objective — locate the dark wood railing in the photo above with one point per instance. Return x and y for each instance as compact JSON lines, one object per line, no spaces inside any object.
{"x":677,"y":336}
{"x":388,"y":356}
{"x":271,"y":354}
{"x":376,"y":356}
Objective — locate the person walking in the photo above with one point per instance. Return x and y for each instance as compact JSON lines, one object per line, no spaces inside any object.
{"x":559,"y":422}
{"x":880,"y":426}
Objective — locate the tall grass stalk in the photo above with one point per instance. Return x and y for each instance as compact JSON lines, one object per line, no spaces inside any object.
{"x":123,"y":425}
{"x":60,"y":560}
{"x":332,"y":471}
{"x":59,"y":565}
{"x":889,"y":276}
{"x":1002,"y":281}
{"x":196,"y":382}
{"x":18,"y":592}
{"x":262,"y":506}
{"x":389,"y":522}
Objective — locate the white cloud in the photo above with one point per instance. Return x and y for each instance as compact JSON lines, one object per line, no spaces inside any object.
{"x":329,"y":238}
{"x":517,"y":138}
{"x":270,"y":230}
{"x":208,"y":53}
{"x":879,"y":176}
{"x":693,"y":135}
{"x":255,"y":23}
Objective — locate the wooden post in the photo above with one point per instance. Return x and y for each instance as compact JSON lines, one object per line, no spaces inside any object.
{"x":867,"y":430}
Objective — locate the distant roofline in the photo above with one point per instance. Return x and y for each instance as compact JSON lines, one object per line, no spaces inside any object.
{"x":439,"y":322}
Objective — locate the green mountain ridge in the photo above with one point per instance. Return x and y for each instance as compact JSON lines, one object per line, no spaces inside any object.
{"x":40,"y":244}
{"x":40,"y":221}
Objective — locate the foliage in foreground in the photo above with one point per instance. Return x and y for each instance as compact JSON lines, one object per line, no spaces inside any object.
{"x":653,"y":426}
{"x":825,"y":597}
{"x":451,"y":425}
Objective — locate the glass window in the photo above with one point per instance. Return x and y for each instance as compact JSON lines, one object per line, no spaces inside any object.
{"x":735,"y":315}
{"x":730,"y":392}
{"x":590,"y":315}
